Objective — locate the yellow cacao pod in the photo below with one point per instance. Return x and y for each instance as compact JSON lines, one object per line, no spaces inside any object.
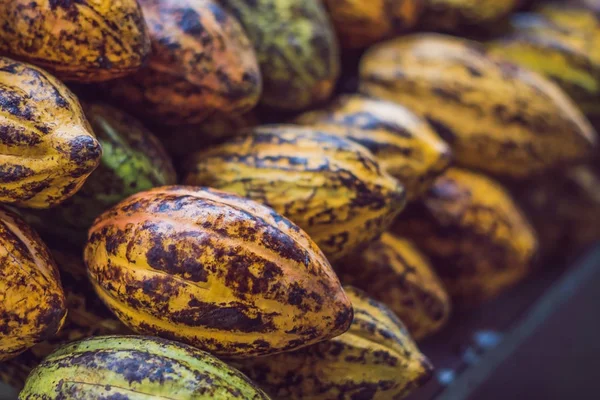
{"x":216,"y":271}
{"x":202,"y":62}
{"x":32,"y":302}
{"x":392,"y":270}
{"x":475,"y":235}
{"x":497,"y":117}
{"x":83,"y":40}
{"x":332,"y":188}
{"x":376,"y":359}
{"x":47,"y":148}
{"x":404,"y":144}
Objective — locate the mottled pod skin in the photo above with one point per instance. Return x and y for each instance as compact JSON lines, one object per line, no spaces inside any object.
{"x":570,"y":56}
{"x":474,"y":234}
{"x":404,"y":144}
{"x":497,"y":116}
{"x":455,"y":16}
{"x":375,"y":360}
{"x":202,"y":62}
{"x":32,"y":302}
{"x":332,"y":188}
{"x":360,"y":23}
{"x":86,"y":317}
{"x":82,"y":40}
{"x":296,"y":49}
{"x":47,"y":148}
{"x":133,"y":160}
{"x":392,"y":270}
{"x":136,"y":367}
{"x":216,"y":271}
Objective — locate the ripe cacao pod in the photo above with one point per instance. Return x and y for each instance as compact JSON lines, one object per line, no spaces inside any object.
{"x":376,"y":359}
{"x":216,"y":271}
{"x":360,"y":23}
{"x":474,"y":234}
{"x":86,"y":317}
{"x":32,"y":302}
{"x":133,"y":160}
{"x":462,"y":16}
{"x":202,"y":62}
{"x":296,"y":48}
{"x":332,"y":188}
{"x":47,"y":148}
{"x":404,"y":144}
{"x":513,"y":122}
{"x":392,"y":270}
{"x":83,"y":40}
{"x":136,"y":367}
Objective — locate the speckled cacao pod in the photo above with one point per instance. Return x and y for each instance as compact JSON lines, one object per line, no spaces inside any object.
{"x":47,"y":148}
{"x":136,"y":367}
{"x":463,"y":15}
{"x":393,"y":271}
{"x":202,"y":62}
{"x":296,"y":49}
{"x":404,"y":144}
{"x":216,"y":271}
{"x":497,"y":117}
{"x":360,"y":23}
{"x":133,"y":160}
{"x":332,"y":188}
{"x":82,"y":40}
{"x":474,"y":234}
{"x":376,"y":359}
{"x":86,"y":317}
{"x":32,"y":302}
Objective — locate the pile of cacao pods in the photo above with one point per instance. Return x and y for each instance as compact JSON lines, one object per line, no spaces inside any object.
{"x":253,"y":199}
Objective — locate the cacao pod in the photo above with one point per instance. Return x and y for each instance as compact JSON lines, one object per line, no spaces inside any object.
{"x":86,"y":317}
{"x":476,"y":237}
{"x":136,"y":367}
{"x":216,"y":271}
{"x":332,"y":188}
{"x":360,"y":23}
{"x":47,"y":148}
{"x":202,"y":62}
{"x":133,"y":160}
{"x":32,"y":302}
{"x":392,"y":270}
{"x":497,"y":117}
{"x":296,"y":49}
{"x":376,"y":359}
{"x":404,"y":144}
{"x":462,"y":16}
{"x":83,"y":40}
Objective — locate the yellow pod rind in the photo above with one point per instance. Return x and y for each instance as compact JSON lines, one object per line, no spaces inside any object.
{"x":216,"y":271}
{"x":376,"y":359}
{"x":474,"y":234}
{"x":82,"y":41}
{"x":32,"y":302}
{"x":136,"y":367}
{"x":498,"y":117}
{"x":331,"y":187}
{"x":403,"y":143}
{"x":47,"y":148}
{"x":392,"y":270}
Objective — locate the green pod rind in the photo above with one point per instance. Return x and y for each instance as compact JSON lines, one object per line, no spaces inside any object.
{"x":462,"y":16}
{"x":296,"y":48}
{"x":133,"y":160}
{"x":136,"y":367}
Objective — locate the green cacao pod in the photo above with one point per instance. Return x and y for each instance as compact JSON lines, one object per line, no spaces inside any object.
{"x":376,"y":359}
{"x":136,"y":367}
{"x":47,"y":148}
{"x":331,"y":187}
{"x":133,"y":160}
{"x":216,"y":271}
{"x":296,"y":49}
{"x":454,"y":16}
{"x":32,"y":302}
